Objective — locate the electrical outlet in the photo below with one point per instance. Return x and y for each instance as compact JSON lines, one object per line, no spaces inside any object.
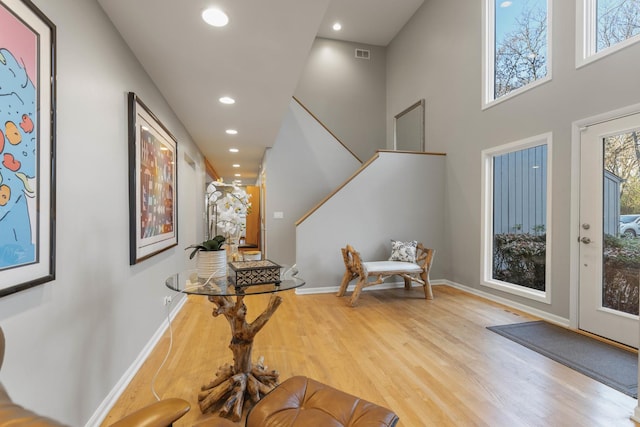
{"x":166,"y":301}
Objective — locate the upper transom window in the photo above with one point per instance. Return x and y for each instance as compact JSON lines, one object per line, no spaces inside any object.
{"x":517,"y":50}
{"x":606,"y":26}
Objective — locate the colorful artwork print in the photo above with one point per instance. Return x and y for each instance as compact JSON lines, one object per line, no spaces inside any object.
{"x":153,"y":178}
{"x":156,"y":184}
{"x":18,"y":145}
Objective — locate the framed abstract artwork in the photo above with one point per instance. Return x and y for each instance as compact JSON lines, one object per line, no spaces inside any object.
{"x":153,"y":176}
{"x":27,"y":146}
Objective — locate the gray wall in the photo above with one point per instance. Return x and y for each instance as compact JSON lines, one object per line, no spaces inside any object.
{"x":397,"y":196}
{"x":305,"y":165}
{"x":347,"y":94}
{"x":71,"y":340}
{"x":437,"y":56}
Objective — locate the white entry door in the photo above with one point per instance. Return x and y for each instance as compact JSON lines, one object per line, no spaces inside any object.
{"x":609,"y":247}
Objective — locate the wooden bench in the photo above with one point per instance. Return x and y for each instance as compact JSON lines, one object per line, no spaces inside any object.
{"x":409,"y":271}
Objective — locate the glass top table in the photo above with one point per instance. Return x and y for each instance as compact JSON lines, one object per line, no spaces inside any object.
{"x":188,"y":282}
{"x":242,"y":380}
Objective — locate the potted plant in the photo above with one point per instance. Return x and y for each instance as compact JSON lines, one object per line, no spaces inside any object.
{"x":212,"y":258}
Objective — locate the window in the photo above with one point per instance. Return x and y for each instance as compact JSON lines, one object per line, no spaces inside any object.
{"x":515,"y":212}
{"x":605,"y":26}
{"x":517,"y":48}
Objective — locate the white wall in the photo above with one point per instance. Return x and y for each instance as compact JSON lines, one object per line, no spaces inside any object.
{"x":305,"y":165}
{"x":437,"y":56}
{"x":347,"y":94}
{"x":70,"y":341}
{"x":398,"y":196}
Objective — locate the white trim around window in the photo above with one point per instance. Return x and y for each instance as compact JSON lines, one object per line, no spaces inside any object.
{"x":488,"y":57}
{"x":586,"y":44}
{"x":487,"y":218}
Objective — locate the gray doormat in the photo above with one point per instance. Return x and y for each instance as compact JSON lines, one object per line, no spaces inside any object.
{"x":608,"y":364}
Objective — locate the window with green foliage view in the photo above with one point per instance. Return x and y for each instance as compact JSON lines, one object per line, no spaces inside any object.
{"x":516,"y":184}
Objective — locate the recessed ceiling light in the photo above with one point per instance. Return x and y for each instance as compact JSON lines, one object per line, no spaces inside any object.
{"x":231,"y":131}
{"x":233,"y":150}
{"x":337,"y":26}
{"x":236,"y":165}
{"x":237,"y":174}
{"x":215,"y":17}
{"x":227,"y":100}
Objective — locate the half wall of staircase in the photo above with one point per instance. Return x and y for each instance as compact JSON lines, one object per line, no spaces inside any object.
{"x":396,"y":195}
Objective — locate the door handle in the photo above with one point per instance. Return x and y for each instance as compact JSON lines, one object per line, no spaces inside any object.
{"x":585,"y":240}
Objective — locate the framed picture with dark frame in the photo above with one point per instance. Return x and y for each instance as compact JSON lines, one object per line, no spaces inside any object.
{"x":153,"y":184}
{"x":27,"y":146}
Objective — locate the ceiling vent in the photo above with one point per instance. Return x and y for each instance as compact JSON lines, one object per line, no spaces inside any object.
{"x":363,"y":54}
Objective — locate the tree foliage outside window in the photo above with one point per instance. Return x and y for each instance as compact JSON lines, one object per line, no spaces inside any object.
{"x":616,"y":21}
{"x":622,"y":158}
{"x":520,"y":44}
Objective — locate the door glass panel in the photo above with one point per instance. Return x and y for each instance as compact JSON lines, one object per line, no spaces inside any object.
{"x":621,"y":226}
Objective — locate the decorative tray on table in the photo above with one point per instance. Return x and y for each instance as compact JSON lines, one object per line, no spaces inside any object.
{"x":246,"y":273}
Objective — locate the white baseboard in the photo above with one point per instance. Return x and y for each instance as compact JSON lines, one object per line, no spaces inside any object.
{"x":551,"y":318}
{"x":334,"y":289}
{"x":103,"y":410}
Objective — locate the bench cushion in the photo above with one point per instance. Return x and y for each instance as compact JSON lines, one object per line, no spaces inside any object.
{"x":389,"y":266}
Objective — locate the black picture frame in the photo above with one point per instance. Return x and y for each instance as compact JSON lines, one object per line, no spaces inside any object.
{"x":27,"y":147}
{"x":153,"y":183}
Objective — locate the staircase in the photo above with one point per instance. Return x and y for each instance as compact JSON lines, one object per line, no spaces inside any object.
{"x":314,"y":180}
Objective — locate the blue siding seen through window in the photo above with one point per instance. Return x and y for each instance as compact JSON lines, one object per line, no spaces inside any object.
{"x":520,"y":191}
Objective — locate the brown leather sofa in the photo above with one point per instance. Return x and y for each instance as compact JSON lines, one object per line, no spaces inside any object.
{"x":159,"y":414}
{"x":304,"y":402}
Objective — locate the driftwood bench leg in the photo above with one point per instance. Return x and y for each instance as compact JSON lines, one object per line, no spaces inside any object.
{"x":346,"y":278}
{"x":356,"y":292}
{"x":427,"y":259}
{"x":428,"y":292}
{"x":349,"y":269}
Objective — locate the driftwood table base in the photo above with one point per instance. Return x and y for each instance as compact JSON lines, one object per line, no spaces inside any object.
{"x":243,"y":380}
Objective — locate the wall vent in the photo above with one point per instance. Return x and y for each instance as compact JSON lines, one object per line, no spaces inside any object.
{"x":363,"y":54}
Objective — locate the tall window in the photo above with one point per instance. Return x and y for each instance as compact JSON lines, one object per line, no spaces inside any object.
{"x":517,"y":50}
{"x":515,"y":213}
{"x":606,"y":26}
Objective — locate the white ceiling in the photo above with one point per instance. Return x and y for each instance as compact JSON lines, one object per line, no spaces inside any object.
{"x":256,"y":59}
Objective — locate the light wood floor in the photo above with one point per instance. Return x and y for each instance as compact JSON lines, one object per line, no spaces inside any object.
{"x":432,"y":362}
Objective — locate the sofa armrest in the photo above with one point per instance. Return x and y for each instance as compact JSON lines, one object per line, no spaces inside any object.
{"x":14,"y":414}
{"x":159,"y":414}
